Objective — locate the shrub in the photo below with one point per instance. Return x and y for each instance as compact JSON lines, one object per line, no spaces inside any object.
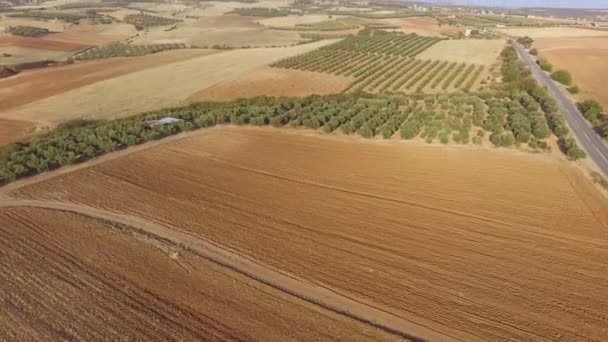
{"x":591,"y":110}
{"x":534,"y":52}
{"x":525,"y":41}
{"x":27,"y":31}
{"x":562,"y":76}
{"x":573,"y":90}
{"x":545,"y":65}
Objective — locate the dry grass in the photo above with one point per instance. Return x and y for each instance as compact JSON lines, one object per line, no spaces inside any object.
{"x":232,"y":30}
{"x":549,"y":32}
{"x":476,"y":51}
{"x":18,"y":55}
{"x":274,"y":82}
{"x":148,"y":89}
{"x":35,"y":85}
{"x":585,"y":58}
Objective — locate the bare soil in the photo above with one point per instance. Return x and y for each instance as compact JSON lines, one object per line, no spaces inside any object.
{"x":93,"y":280}
{"x":585,"y":58}
{"x":31,"y":86}
{"x":476,"y":244}
{"x":39,"y":43}
{"x":12,"y":130}
{"x":147,"y":89}
{"x":274,"y":82}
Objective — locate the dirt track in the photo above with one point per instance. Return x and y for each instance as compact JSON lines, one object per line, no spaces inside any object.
{"x":479,"y":245}
{"x":66,"y":276}
{"x":289,"y":284}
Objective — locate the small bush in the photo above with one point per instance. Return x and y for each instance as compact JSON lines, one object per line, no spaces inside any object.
{"x":573,"y":90}
{"x":562,"y":76}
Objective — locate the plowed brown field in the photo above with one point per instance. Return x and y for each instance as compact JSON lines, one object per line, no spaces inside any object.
{"x":68,"y":277}
{"x":31,"y":86}
{"x":477,"y":244}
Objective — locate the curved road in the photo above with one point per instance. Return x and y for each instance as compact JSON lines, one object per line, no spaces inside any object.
{"x":591,"y":142}
{"x":354,"y":308}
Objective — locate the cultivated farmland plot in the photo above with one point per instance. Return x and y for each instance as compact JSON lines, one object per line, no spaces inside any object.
{"x":387,"y":62}
{"x":125,"y":50}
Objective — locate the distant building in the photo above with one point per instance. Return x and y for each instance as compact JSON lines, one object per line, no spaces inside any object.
{"x":467,"y":32}
{"x":164,"y":121}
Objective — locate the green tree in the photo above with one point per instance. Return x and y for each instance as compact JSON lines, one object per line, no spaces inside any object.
{"x":545,"y":65}
{"x":591,"y":110}
{"x":562,"y":76}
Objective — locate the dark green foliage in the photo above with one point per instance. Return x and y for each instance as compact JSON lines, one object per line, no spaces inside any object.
{"x":591,"y":110}
{"x":125,"y":50}
{"x":562,"y":76}
{"x":572,"y":150}
{"x":27,"y":31}
{"x":142,"y":21}
{"x":525,"y":41}
{"x":574,"y":90}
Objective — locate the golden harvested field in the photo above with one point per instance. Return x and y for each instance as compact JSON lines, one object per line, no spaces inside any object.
{"x":552,"y":32}
{"x":274,"y":82}
{"x":129,"y":97}
{"x":423,"y":26}
{"x":473,"y":244}
{"x":585,"y":58}
{"x":18,"y":55}
{"x":66,"y":276}
{"x":230,"y":30}
{"x":31,"y":86}
{"x":476,"y":51}
{"x":91,"y":34}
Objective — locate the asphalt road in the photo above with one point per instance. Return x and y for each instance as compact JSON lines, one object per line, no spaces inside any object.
{"x":592,"y":144}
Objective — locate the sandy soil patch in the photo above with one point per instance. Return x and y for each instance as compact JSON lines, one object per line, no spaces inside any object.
{"x":274,"y":82}
{"x":230,"y":30}
{"x":548,"y":32}
{"x":89,"y":280}
{"x":476,"y":51}
{"x":12,"y":131}
{"x":154,"y":88}
{"x":31,"y":86}
{"x":446,"y":238}
{"x":587,"y":61}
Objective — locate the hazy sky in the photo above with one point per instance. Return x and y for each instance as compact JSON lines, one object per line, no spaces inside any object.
{"x":535,"y":3}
